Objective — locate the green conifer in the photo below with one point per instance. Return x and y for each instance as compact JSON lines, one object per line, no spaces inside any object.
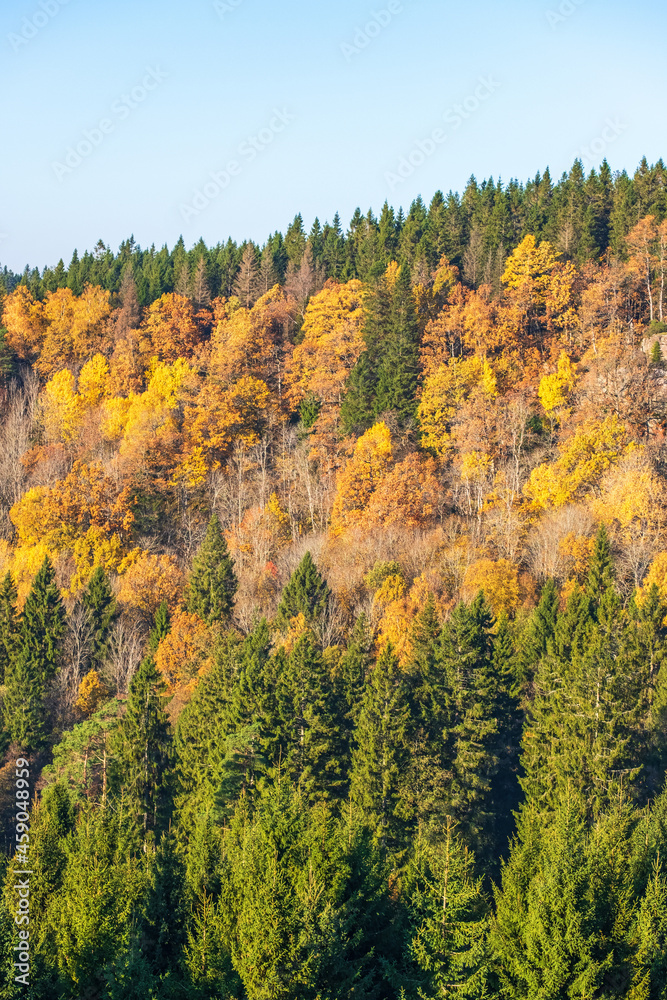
{"x":381,"y":757}
{"x":306,"y":593}
{"x":9,"y":625}
{"x":99,"y":599}
{"x":144,"y":748}
{"x":212,"y":583}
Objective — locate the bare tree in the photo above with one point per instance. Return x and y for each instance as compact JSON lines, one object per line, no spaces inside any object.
{"x":127,"y":640}
{"x":77,"y":650}
{"x":246,"y":284}
{"x":201,"y":293}
{"x":15,"y":438}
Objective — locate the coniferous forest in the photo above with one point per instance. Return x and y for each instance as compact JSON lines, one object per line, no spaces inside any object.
{"x":333,"y":606}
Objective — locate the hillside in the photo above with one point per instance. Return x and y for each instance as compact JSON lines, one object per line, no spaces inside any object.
{"x":333,"y":615}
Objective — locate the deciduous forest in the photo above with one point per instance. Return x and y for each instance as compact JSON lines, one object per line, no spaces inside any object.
{"x":333,"y":605}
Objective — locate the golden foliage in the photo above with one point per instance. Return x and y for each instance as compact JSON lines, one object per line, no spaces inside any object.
{"x":149,"y":580}
{"x":330,"y":346}
{"x":361,"y":477}
{"x":500,"y":582}
{"x":582,"y":462}
{"x":92,"y":694}
{"x":185,"y":652}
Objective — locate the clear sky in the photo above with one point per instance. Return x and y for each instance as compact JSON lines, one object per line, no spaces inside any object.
{"x":314,"y":107}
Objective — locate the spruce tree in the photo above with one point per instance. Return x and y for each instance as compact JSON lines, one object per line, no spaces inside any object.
{"x":464,"y":657}
{"x":36,"y":662}
{"x":99,"y":599}
{"x":212,"y":583}
{"x":382,"y":754}
{"x":398,"y":368}
{"x":446,"y":932}
{"x":161,"y":627}
{"x":311,"y":723}
{"x":9,"y":625}
{"x":601,"y":569}
{"x":144,"y":748}
{"x":358,"y":407}
{"x":306,"y":593}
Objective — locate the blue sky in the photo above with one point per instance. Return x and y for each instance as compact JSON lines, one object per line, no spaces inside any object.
{"x":312,"y":106}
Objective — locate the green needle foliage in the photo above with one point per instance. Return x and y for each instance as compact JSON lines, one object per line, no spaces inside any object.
{"x":212,"y":583}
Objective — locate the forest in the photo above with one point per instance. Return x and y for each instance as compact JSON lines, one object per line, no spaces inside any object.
{"x":333,"y":607}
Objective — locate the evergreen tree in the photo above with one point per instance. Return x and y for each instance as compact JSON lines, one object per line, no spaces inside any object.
{"x":144,"y":747}
{"x":9,"y":625}
{"x":310,"y":725}
{"x":398,"y":368}
{"x":212,"y":583}
{"x":601,"y":569}
{"x":464,"y":657}
{"x":36,"y":662}
{"x":381,"y":757}
{"x":99,"y":599}
{"x":306,"y":593}
{"x":161,"y":627}
{"x":564,"y":911}
{"x":446,"y":921}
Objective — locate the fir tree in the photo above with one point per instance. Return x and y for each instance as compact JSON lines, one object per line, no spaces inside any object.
{"x":310,"y":723}
{"x":306,"y":593}
{"x":99,"y":599}
{"x":212,"y":583}
{"x":446,"y":917}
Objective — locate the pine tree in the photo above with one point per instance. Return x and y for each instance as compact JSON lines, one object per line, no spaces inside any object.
{"x":382,"y":754}
{"x":9,"y":625}
{"x":306,"y":593}
{"x":36,"y":662}
{"x":541,"y":628}
{"x":144,"y":748}
{"x":212,"y":583}
{"x":99,"y":599}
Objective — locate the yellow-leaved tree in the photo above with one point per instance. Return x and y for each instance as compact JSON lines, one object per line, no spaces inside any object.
{"x":582,"y":462}
{"x":361,"y":477}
